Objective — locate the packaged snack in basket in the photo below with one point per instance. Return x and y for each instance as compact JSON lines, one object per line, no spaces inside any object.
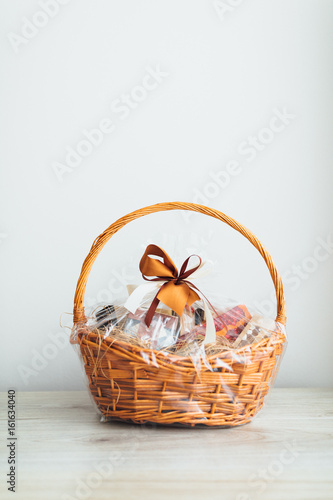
{"x":229,"y":324}
{"x":257,"y":329}
{"x":162,"y":332}
{"x":106,"y":317}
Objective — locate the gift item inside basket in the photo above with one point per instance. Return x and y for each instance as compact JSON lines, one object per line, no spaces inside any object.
{"x":183,"y":335}
{"x":187,"y":323}
{"x":169,"y":354}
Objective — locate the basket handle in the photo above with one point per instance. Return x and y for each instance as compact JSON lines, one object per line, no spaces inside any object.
{"x":79,"y":314}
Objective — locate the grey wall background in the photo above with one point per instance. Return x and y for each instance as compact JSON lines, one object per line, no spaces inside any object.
{"x":225,"y":103}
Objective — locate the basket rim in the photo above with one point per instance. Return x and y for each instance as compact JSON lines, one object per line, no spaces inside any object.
{"x":276,"y":338}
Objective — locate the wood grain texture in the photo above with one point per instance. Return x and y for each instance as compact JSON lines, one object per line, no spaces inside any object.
{"x":286,"y":453}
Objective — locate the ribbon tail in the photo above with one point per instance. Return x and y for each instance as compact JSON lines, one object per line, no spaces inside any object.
{"x":210,"y":336}
{"x":151,"y":311}
{"x":135,"y":299}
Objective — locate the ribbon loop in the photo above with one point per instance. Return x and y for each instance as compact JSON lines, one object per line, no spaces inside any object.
{"x":154,"y":267}
{"x":183,"y":274}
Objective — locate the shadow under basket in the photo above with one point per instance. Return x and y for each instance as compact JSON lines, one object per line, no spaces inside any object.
{"x":130,"y":383}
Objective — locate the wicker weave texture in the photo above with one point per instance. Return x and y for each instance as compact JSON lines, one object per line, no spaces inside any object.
{"x":130,"y":383}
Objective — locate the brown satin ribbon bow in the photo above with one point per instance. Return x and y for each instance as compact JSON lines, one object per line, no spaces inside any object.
{"x":176,"y":292}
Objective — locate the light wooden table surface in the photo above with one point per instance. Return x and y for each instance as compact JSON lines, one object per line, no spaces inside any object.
{"x":64,"y":452}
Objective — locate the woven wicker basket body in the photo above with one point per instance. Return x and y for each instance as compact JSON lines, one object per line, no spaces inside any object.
{"x":134,"y":384}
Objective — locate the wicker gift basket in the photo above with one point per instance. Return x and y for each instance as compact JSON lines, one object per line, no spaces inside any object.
{"x":130,"y":383}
